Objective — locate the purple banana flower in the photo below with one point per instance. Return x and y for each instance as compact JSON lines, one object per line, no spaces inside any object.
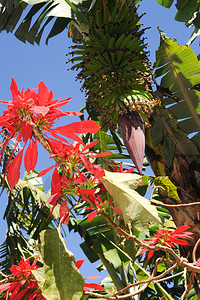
{"x":131,"y":127}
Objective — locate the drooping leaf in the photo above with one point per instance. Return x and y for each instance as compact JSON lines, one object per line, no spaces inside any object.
{"x":14,"y":170}
{"x":42,"y":13}
{"x":175,"y":125}
{"x":27,"y":159}
{"x":59,"y":269}
{"x":30,"y":157}
{"x":122,"y":187}
{"x":26,"y":131}
{"x":181,"y":70}
{"x":55,"y":183}
{"x":165,"y":132}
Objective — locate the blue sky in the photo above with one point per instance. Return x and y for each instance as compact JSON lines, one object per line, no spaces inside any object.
{"x":29,"y":64}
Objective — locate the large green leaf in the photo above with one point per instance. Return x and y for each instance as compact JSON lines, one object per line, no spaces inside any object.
{"x":39,"y":13}
{"x":114,"y":254}
{"x":122,"y":187}
{"x":59,"y":269}
{"x":180,"y":71}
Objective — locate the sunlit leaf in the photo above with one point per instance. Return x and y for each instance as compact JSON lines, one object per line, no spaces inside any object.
{"x":165,"y":182}
{"x":122,"y":187}
{"x":59,"y":269}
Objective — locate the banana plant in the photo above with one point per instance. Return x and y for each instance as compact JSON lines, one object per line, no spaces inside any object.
{"x":172,"y":142}
{"x":111,"y":58}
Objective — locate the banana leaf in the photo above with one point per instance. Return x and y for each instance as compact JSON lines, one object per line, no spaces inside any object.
{"x":36,"y":15}
{"x":177,"y":127}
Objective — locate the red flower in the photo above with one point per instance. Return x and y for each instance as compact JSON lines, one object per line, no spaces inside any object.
{"x":166,"y":238}
{"x":22,"y":282}
{"x":73,"y":159}
{"x":78,"y":155}
{"x":120,"y":169}
{"x":96,"y":199}
{"x":27,"y":109}
{"x":89,"y":285}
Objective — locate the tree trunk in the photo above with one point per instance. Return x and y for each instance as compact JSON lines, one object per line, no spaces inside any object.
{"x":187,"y":182}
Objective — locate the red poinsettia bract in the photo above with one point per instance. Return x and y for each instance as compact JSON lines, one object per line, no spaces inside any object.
{"x":96,"y":199}
{"x":29,"y":110}
{"x":78,"y":173}
{"x":22,"y":282}
{"x":168,"y":238}
{"x":88,"y":286}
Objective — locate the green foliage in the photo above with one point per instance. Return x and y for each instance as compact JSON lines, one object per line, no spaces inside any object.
{"x":115,"y":68}
{"x":59,"y":270}
{"x":165,"y":182}
{"x":177,"y":127}
{"x":40,"y":14}
{"x":188,"y":12}
{"x":134,"y":207}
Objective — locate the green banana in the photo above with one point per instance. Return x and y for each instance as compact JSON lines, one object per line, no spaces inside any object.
{"x":111,"y":42}
{"x":113,"y":61}
{"x":120,"y":40}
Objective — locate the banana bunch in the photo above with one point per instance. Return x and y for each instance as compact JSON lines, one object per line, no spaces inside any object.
{"x":112,"y":61}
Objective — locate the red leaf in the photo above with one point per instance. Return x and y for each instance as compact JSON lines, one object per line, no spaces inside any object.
{"x":72,"y":113}
{"x":94,"y":169}
{"x":14,"y":170}
{"x":5,"y":286}
{"x":198,"y":263}
{"x":14,"y":88}
{"x":79,"y":127}
{"x":35,"y":260}
{"x":27,"y":158}
{"x":43,"y":110}
{"x":64,"y":213}
{"x":92,"y":215}
{"x":43,"y":94}
{"x":178,"y":241}
{"x":94,"y":286}
{"x":43,"y":172}
{"x":55,"y":183}
{"x":61,"y":103}
{"x":20,"y":294}
{"x":117,"y":210}
{"x":26,"y":131}
{"x":30,"y":158}
{"x":79,"y":263}
{"x":86,"y":192}
{"x":53,"y":199}
{"x":90,"y":145}
{"x":92,"y":277}
{"x":181,"y":229}
{"x":103,"y":154}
